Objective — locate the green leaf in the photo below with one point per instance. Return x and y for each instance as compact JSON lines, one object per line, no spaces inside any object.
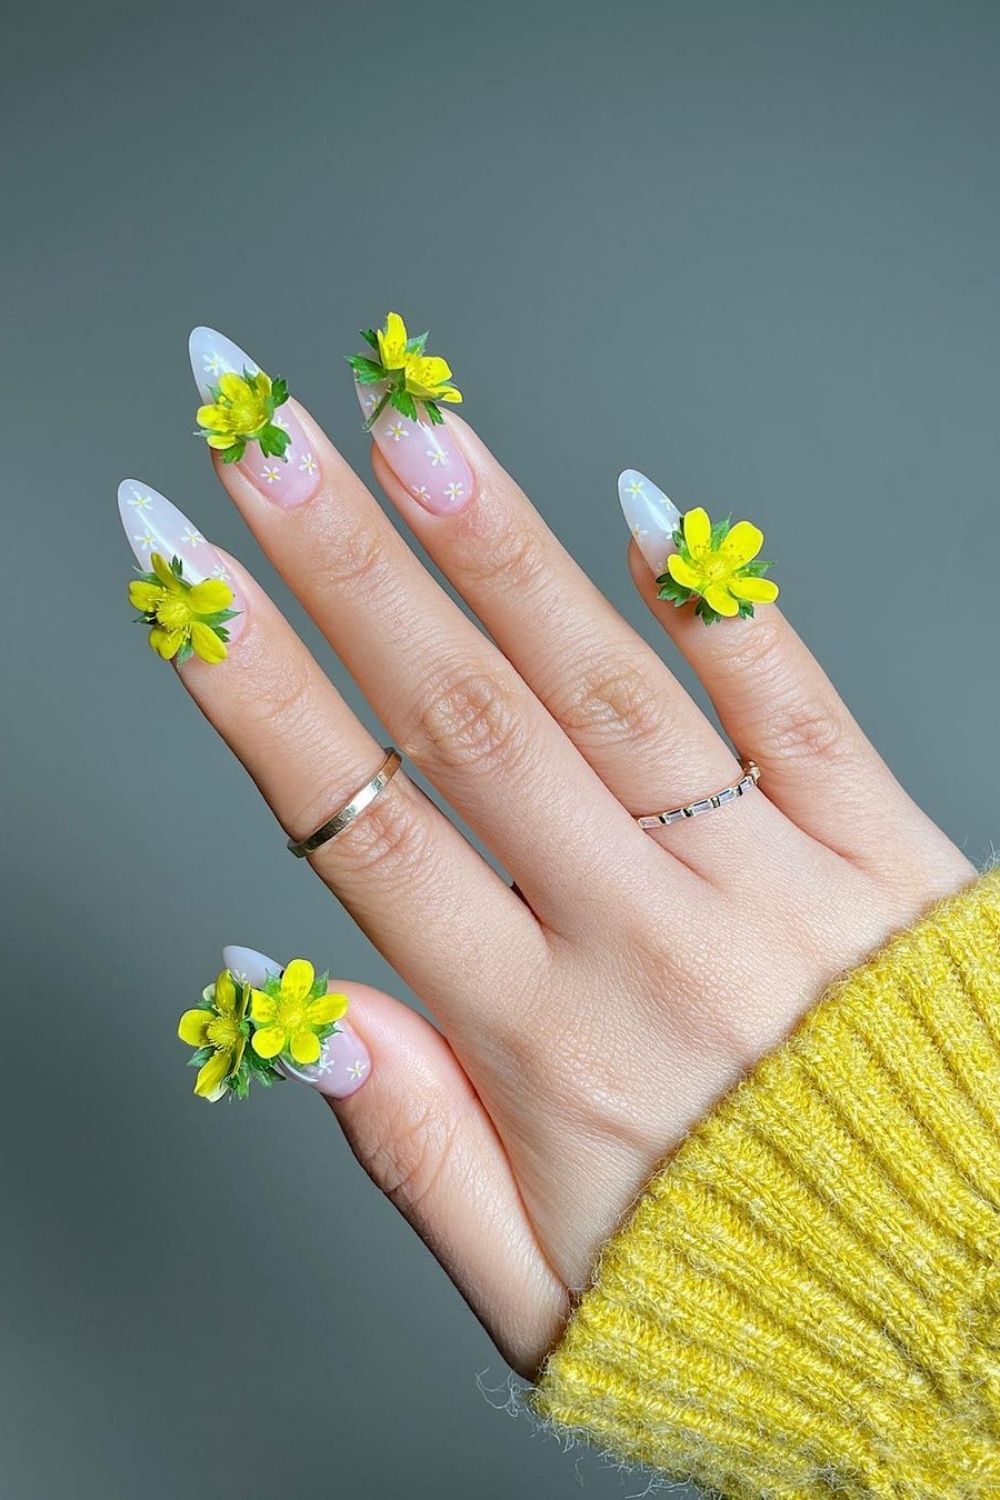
{"x":755,"y":569}
{"x":366,"y":371}
{"x":176,"y":567}
{"x":720,"y":530}
{"x":200,"y":1058}
{"x":184,"y":654}
{"x":273,"y":441}
{"x":434,"y":412}
{"x":416,"y":345}
{"x":234,"y":452}
{"x":370,"y":337}
{"x":279,"y":391}
{"x":404,"y":403}
{"x":219,"y":617}
{"x":707,"y":613}
{"x":746,"y":610}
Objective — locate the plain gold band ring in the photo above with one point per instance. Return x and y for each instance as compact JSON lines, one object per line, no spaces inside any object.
{"x":343,"y":819}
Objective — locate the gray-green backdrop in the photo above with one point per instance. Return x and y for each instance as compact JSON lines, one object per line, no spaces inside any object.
{"x":749,"y":248}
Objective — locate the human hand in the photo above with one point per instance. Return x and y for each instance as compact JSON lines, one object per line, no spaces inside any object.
{"x":590,"y":1016}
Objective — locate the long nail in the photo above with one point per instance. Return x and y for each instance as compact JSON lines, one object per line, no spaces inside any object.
{"x":288,"y":481}
{"x":153,"y":524}
{"x":344,"y":1063}
{"x":651,"y":517}
{"x":424,"y":458}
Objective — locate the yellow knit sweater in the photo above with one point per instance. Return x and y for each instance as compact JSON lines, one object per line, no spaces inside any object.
{"x":805,"y":1302}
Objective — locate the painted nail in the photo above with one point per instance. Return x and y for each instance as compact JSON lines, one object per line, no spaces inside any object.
{"x":424,"y":458}
{"x":286,"y":481}
{"x":153,"y":524}
{"x":344,"y":1063}
{"x":651,"y":517}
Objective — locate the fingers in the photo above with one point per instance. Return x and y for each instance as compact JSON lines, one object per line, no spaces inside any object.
{"x":780,"y":709}
{"x":447,"y":697}
{"x":402,"y":870}
{"x":417,"y":1127}
{"x":614,"y":698}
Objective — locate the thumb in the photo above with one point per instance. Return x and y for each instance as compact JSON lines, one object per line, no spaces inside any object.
{"x":417,"y":1126}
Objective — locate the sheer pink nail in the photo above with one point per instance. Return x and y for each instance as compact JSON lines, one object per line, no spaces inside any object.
{"x":286,"y":481}
{"x":424,"y":457}
{"x":345,"y":1061}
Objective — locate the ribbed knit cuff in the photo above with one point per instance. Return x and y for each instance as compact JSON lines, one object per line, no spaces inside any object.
{"x":805,"y":1301}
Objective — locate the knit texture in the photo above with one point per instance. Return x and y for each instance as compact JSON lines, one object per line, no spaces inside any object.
{"x":805,"y":1301}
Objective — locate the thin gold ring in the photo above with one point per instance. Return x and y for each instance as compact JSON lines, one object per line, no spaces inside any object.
{"x":343,"y":819}
{"x":748,"y":780}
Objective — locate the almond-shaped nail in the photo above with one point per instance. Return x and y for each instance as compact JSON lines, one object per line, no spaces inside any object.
{"x":344,"y":1062}
{"x":420,"y":449}
{"x":185,"y":618}
{"x":232,"y":407}
{"x":651,"y":517}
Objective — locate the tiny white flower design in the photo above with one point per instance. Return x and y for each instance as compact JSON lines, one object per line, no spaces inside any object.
{"x":271,"y":475}
{"x":396,"y":430}
{"x":437,"y":456}
{"x":220,"y":572}
{"x":357,"y":1069}
{"x":308,"y":464}
{"x":422,"y":492}
{"x":635,"y":488}
{"x":455,"y":491}
{"x":280,"y":422}
{"x":140,"y":501}
{"x":146,"y":539}
{"x":214,"y":363}
{"x":193,"y":538}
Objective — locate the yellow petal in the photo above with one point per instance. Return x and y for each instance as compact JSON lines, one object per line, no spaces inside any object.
{"x":208,"y":1084}
{"x":165,"y":573}
{"x":263,"y":1008}
{"x":428,"y":370}
{"x":193,"y":1026}
{"x":261,"y":383}
{"x":207,"y":644}
{"x":234,"y":387}
{"x":165,"y":643}
{"x":298,"y":979}
{"x":205,"y":598}
{"x":742,"y":543}
{"x":326,"y":1009}
{"x":450,"y":393}
{"x":225,"y":994}
{"x":683,"y":573}
{"x":697,"y":531}
{"x":754,"y":590}
{"x":269,"y":1042}
{"x":305,"y":1046}
{"x":221,"y":440}
{"x":721,"y":600}
{"x":212,"y":417}
{"x":392,"y":342}
{"x":144,"y":596}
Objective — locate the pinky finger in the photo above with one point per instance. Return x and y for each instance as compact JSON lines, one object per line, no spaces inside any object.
{"x":417,"y":1126}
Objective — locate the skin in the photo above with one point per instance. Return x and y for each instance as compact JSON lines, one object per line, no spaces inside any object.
{"x":589,"y":1017}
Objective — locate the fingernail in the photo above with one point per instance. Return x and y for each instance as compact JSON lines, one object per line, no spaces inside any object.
{"x":344,"y":1063}
{"x":286,"y":481}
{"x":424,"y":458}
{"x":153,"y":524}
{"x":651,"y":517}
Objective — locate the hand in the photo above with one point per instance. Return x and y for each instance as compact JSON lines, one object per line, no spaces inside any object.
{"x":591,"y":1015}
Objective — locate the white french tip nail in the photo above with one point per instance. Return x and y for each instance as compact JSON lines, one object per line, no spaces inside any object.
{"x":212,"y":355}
{"x":651,"y":516}
{"x":249,"y":966}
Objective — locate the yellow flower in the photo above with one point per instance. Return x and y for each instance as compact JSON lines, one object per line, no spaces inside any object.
{"x":413,"y":378}
{"x":717,"y":564}
{"x":183,"y":617}
{"x":217,"y":1025}
{"x":291,"y":1012}
{"x":241,"y":413}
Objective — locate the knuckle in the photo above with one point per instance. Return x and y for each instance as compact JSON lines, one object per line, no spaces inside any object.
{"x":806,"y":729}
{"x":354,"y":560}
{"x":468,"y":719}
{"x":613,"y":703}
{"x":278,"y":692}
{"x":389,"y":839}
{"x":510,"y":557}
{"x":411,"y":1152}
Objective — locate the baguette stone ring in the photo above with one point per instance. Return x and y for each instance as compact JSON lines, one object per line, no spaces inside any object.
{"x":748,"y":780}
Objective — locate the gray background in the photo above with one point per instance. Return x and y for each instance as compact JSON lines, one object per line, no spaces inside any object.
{"x":748,"y":248}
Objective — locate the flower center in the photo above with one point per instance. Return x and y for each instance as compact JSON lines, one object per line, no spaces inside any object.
{"x":245,"y":416}
{"x":223,"y":1032}
{"x":173,"y":612}
{"x":291,"y":1015}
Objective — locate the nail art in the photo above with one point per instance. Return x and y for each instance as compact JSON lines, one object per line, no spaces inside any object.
{"x":246,"y":419}
{"x":651,"y":517}
{"x":343,"y":1063}
{"x":184,"y":591}
{"x":717,"y":566}
{"x":401,"y":388}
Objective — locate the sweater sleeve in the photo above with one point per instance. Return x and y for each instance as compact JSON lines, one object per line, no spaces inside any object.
{"x":805,"y":1302}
